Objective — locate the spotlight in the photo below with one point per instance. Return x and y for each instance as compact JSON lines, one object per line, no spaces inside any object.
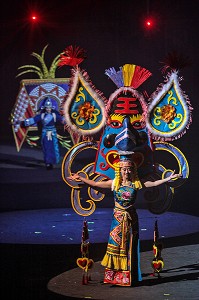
{"x":34,"y":18}
{"x":149,"y":23}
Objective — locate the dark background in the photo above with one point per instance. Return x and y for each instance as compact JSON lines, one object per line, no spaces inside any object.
{"x":112,"y":33}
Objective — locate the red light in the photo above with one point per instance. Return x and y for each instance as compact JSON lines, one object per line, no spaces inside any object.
{"x":148,"y":23}
{"x":34,"y":18}
{"x":151,"y":23}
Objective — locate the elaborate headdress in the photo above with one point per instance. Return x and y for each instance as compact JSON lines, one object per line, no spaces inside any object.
{"x":126,"y":161}
{"x":126,"y":99}
{"x":47,"y":103}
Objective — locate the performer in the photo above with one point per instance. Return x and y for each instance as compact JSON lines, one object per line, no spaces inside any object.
{"x":122,"y":261}
{"x":48,"y":118}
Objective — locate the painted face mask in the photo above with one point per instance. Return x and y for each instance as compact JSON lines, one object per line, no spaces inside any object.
{"x":124,"y":122}
{"x":125,"y":110}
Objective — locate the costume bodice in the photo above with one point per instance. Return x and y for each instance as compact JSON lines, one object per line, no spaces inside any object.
{"x":125,"y":196}
{"x":48,"y":119}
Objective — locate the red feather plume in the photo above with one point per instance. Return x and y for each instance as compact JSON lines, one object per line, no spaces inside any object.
{"x":72,"y":56}
{"x":175,"y":61}
{"x":140,"y":75}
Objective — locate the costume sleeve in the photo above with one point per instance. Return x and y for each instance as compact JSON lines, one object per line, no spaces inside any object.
{"x":113,"y":185}
{"x":32,"y":121}
{"x":60,"y":118}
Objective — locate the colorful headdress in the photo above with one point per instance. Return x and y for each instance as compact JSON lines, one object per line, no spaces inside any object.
{"x":126,"y":99}
{"x":129,"y":75}
{"x":126,"y":161}
{"x":48,"y":103}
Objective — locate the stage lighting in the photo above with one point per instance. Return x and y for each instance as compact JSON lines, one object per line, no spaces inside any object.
{"x":149,"y":23}
{"x":34,"y":18}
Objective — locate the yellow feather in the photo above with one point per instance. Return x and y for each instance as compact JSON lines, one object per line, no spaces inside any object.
{"x":128,"y":73}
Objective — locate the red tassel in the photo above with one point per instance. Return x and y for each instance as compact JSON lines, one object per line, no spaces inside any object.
{"x":140,"y":75}
{"x":83,"y":280}
{"x":86,"y":279}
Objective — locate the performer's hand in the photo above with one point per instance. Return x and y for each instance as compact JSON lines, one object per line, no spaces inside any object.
{"x":21,"y":119}
{"x":74,"y":177}
{"x":173,"y":175}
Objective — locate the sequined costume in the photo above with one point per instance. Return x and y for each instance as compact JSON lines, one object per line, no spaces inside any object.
{"x":122,"y":258}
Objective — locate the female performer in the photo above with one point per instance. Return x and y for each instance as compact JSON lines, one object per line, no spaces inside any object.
{"x":122,"y":258}
{"x":48,"y":118}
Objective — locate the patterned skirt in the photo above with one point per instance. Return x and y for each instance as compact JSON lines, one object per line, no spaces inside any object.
{"x":122,"y":258}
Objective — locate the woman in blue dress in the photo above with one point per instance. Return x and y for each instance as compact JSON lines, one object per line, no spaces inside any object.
{"x":49,"y":142}
{"x":122,"y":258}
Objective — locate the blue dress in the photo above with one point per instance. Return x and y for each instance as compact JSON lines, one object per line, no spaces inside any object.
{"x":122,"y":258}
{"x":49,"y":141}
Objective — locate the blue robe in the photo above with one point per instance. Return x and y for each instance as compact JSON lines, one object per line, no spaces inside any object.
{"x":49,"y":141}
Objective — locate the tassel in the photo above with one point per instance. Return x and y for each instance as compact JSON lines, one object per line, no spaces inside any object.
{"x":117,"y":180}
{"x":115,"y":76}
{"x":140,"y":75}
{"x":137,"y":184}
{"x":83,"y":279}
{"x":86,"y":279}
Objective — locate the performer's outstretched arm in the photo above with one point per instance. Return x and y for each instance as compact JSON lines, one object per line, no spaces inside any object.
{"x":161,"y":181}
{"x":99,"y":184}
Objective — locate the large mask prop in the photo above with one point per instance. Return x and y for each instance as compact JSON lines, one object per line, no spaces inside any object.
{"x":125,"y":121}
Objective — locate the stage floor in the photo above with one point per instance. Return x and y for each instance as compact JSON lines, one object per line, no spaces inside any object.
{"x":40,"y":237}
{"x":178,"y":280}
{"x":36,"y":233}
{"x":39,"y":250}
{"x":64,"y":226}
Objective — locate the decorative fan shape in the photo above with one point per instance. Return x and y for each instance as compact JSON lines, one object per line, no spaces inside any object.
{"x":129,"y":75}
{"x":169,"y":113}
{"x":84,"y":106}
